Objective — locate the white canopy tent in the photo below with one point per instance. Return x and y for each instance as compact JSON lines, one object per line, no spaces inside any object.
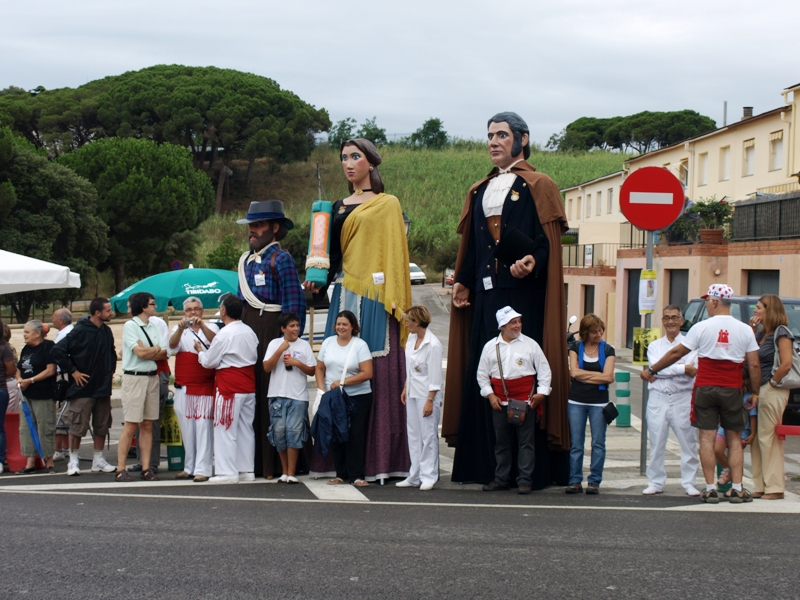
{"x":20,"y":273}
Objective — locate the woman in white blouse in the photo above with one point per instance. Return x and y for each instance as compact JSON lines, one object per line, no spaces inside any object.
{"x":422,"y":396}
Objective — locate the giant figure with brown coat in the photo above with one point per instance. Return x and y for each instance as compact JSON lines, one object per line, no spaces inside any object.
{"x":522,"y":209}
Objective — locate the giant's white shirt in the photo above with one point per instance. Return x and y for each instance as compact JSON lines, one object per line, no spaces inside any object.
{"x":673,"y":379}
{"x":236,"y":345}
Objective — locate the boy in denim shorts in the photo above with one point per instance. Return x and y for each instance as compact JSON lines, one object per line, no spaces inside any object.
{"x":290,"y":361}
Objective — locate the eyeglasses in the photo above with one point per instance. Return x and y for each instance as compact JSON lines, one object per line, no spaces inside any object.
{"x":194,"y":309}
{"x":675,"y":318}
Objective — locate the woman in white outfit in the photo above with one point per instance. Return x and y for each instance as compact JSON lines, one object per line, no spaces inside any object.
{"x":422,"y":396}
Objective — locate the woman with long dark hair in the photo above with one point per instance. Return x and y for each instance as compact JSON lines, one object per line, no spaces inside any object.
{"x":369,"y":270}
{"x":770,"y":324}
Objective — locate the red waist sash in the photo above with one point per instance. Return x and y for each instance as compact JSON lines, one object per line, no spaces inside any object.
{"x":518,"y":389}
{"x":190,"y":374}
{"x":721,"y":373}
{"x":162,"y":366}
{"x":232,"y":381}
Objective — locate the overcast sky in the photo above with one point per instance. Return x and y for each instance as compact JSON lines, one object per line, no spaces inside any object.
{"x":408,"y":60}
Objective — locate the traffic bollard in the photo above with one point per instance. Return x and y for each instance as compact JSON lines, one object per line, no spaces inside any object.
{"x":623,"y":393}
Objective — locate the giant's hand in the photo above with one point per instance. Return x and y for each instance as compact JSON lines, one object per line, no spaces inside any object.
{"x":460,"y":296}
{"x":523,"y":267}
{"x":311,"y":286}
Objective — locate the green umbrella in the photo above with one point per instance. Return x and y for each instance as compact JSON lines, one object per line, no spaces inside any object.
{"x":173,"y":287}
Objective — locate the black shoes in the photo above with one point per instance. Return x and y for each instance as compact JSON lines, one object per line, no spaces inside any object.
{"x":495,"y":486}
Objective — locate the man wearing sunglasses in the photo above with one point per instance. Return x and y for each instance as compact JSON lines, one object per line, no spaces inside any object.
{"x":669,"y":407}
{"x":142,"y":346}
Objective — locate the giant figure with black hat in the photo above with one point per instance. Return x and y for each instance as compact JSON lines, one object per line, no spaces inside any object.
{"x":268,"y":284}
{"x":510,"y":254}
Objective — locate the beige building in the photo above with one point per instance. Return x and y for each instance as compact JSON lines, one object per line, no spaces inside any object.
{"x":754,"y":156}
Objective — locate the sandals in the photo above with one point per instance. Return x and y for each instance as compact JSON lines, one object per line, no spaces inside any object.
{"x":361,"y":483}
{"x":122,"y":477}
{"x":336,"y":481}
{"x":149,"y":475}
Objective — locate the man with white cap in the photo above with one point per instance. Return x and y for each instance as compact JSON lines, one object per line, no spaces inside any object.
{"x":669,"y":407}
{"x":512,"y":365}
{"x":723,"y":344}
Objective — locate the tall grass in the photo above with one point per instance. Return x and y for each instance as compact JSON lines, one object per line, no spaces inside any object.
{"x":431,"y":186}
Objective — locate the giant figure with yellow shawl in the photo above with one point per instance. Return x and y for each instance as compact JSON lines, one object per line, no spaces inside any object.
{"x":369,"y":271}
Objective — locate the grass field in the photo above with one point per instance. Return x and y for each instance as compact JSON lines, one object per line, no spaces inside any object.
{"x":431,"y":186}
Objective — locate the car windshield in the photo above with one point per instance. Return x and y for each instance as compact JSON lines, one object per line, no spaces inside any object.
{"x":415,"y":269}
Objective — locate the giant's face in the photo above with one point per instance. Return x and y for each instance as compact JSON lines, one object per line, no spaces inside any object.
{"x":354,"y":164}
{"x":500,"y":140}
{"x":261,"y":234}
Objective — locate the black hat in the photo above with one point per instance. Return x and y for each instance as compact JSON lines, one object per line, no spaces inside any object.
{"x":266,"y":210}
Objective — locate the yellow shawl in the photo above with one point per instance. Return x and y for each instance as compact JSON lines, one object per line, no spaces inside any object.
{"x":374,"y":243}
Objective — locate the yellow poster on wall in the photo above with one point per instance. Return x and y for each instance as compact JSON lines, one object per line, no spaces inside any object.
{"x":642,"y":336}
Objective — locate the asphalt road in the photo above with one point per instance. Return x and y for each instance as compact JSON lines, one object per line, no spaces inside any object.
{"x":271,"y":541}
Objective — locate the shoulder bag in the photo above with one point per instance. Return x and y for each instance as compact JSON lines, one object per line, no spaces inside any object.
{"x":792,"y":379}
{"x":517,"y":409}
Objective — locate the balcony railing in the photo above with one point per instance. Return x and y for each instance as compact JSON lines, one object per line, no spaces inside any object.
{"x":592,"y":255}
{"x":783,"y":188}
{"x":772,"y":218}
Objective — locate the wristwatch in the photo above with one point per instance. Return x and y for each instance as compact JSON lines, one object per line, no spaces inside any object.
{"x":774,"y":383}
{"x":651,"y":371}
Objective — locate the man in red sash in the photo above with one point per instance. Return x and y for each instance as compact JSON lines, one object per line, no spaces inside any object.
{"x":722,"y":343}
{"x":194,"y":390}
{"x":232,"y":353}
{"x":524,"y":373}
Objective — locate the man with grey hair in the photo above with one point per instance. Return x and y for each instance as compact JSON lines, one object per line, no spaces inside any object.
{"x":194,"y":390}
{"x":62,"y":321}
{"x":510,"y":254}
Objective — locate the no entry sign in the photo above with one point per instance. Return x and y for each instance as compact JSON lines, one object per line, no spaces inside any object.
{"x":651,"y":198}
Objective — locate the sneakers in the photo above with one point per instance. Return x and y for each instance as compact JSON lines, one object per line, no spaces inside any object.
{"x":692,"y":491}
{"x":494,"y":486}
{"x":651,"y":490}
{"x":592,"y":489}
{"x":101,"y":465}
{"x":283,"y":478}
{"x":58,"y":456}
{"x":738,"y":497}
{"x":247,"y":476}
{"x":184,"y":475}
{"x":524,"y":489}
{"x":405,"y":484}
{"x":574,"y":488}
{"x":200,"y":479}
{"x":292,"y":479}
{"x":73,"y":468}
{"x":426,"y":487}
{"x":224,"y":479}
{"x":710,"y":496}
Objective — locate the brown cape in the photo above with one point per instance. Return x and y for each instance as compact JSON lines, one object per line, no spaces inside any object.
{"x":550,"y":208}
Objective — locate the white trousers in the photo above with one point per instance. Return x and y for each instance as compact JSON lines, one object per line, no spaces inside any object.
{"x":665,"y":411}
{"x":235,"y":446}
{"x":423,"y":440}
{"x":197,"y":431}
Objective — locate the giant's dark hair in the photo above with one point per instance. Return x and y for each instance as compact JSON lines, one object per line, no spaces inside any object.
{"x":518,"y":127}
{"x":374,"y":159}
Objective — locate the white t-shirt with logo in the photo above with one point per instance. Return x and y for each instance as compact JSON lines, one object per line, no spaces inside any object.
{"x":722,"y":337}
{"x":290,"y":384}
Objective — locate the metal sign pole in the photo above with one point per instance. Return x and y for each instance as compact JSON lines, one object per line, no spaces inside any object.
{"x":645,"y":391}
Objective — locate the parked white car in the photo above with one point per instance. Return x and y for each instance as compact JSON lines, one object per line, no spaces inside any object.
{"x":417,"y":274}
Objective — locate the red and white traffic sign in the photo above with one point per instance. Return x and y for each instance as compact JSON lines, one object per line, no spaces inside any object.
{"x":651,"y":198}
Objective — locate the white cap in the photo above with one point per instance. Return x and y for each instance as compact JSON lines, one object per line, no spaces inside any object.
{"x":505,"y":314}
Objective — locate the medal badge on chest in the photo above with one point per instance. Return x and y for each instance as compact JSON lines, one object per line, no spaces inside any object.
{"x":342,"y":210}
{"x":514,"y":195}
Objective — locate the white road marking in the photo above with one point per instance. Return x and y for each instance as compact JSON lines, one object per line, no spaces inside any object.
{"x":344,"y":492}
{"x":759,"y":506}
